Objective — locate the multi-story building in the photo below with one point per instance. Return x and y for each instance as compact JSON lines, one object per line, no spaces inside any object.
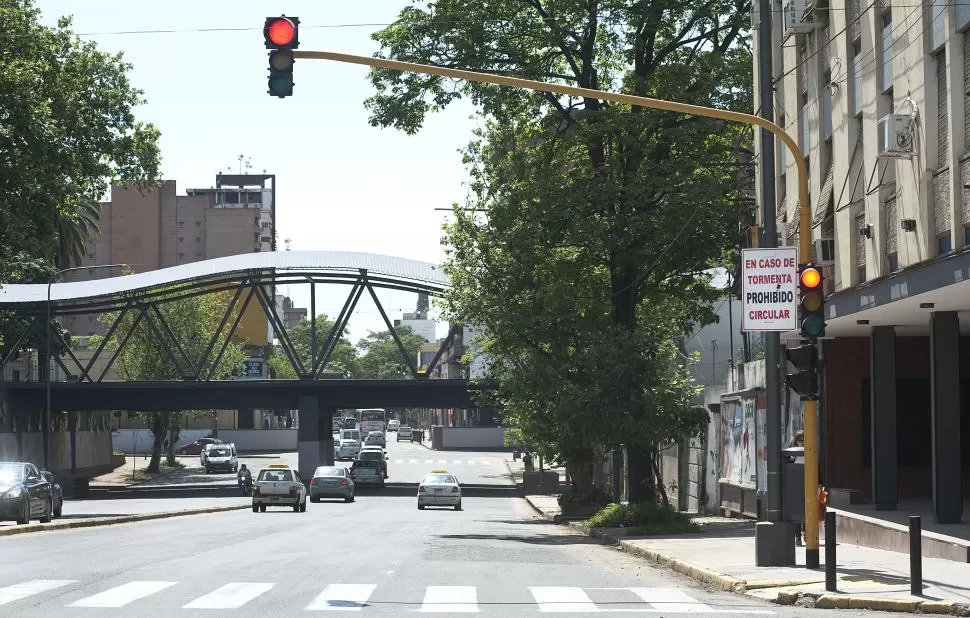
{"x":876,"y":95}
{"x":418,"y":321}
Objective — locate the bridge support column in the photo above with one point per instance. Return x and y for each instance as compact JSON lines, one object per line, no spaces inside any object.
{"x":314,"y":437}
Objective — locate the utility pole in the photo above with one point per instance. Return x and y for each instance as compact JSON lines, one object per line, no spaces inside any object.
{"x":774,"y":542}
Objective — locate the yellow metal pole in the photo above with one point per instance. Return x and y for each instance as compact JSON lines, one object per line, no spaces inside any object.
{"x":804,"y":209}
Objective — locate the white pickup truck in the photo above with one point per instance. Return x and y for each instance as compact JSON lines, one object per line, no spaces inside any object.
{"x":278,"y":485}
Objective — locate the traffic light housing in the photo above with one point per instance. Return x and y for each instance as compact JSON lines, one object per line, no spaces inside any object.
{"x":282,"y":36}
{"x":805,"y":379}
{"x":811,"y":301}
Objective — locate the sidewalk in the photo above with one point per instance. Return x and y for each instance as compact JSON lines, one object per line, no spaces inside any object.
{"x":723,"y":555}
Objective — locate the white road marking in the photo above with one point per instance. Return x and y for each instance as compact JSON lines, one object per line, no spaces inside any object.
{"x":122,"y":595}
{"x":427,"y":461}
{"x":230,"y":596}
{"x":16,"y":592}
{"x":342,"y":597}
{"x":450,"y":599}
{"x":562,"y":599}
{"x":671,"y":600}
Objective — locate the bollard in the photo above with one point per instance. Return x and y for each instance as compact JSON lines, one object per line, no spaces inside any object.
{"x":915,"y":556}
{"x":831,"y":579}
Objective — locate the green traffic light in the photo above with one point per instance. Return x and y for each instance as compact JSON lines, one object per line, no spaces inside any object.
{"x":813,"y":326}
{"x":281,"y":85}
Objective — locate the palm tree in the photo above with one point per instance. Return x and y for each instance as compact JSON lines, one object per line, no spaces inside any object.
{"x":75,"y":229}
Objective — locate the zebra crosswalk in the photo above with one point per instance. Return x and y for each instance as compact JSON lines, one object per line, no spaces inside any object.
{"x":356,"y":597}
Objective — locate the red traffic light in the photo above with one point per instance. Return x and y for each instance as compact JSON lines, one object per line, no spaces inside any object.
{"x":281,"y":31}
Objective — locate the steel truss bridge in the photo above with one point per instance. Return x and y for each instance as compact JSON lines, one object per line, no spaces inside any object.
{"x":249,"y":277}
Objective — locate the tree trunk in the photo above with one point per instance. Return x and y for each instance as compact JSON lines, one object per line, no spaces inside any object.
{"x":159,"y":426}
{"x":581,"y":471}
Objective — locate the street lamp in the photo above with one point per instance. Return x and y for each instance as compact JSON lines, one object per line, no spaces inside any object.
{"x":50,"y":365}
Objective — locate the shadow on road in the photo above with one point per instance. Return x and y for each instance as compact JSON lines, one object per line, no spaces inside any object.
{"x":536,"y":539}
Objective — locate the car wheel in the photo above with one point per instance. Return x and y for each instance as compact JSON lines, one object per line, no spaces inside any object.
{"x":24,"y":513}
{"x":420,"y":507}
{"x":59,"y":509}
{"x":303,"y":507}
{"x":48,"y":513}
{"x":262,"y":508}
{"x":255,"y":508}
{"x":458,"y":506}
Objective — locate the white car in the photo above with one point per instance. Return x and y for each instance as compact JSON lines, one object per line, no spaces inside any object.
{"x":404,"y":433}
{"x":440,"y":488}
{"x":278,"y":485}
{"x":393,"y":425}
{"x":346,"y":449}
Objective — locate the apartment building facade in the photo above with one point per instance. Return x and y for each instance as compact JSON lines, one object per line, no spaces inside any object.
{"x":876,"y":96}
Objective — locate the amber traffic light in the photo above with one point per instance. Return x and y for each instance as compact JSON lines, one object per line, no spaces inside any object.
{"x":812,"y":301}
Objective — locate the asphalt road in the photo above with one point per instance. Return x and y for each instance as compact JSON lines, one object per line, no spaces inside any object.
{"x":378,"y":556}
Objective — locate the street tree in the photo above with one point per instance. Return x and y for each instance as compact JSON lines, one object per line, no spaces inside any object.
{"x":380,"y":357}
{"x":193,"y":322}
{"x":68,"y":129}
{"x":342,"y":360}
{"x":589,"y":217}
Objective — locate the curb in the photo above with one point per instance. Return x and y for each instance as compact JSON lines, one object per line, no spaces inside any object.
{"x":94,"y":523}
{"x":783,"y":597}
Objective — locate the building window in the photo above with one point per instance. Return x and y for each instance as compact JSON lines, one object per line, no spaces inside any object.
{"x":856,"y":69}
{"x":198,"y":223}
{"x":892,"y":235}
{"x":181,"y":255}
{"x":942,"y":115}
{"x":181,"y":239}
{"x":887,"y":51}
{"x":944,"y":244}
{"x":181,"y":223}
{"x":198,"y":239}
{"x":860,"y":246}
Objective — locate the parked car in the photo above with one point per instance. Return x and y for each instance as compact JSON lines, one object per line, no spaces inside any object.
{"x":24,"y":493}
{"x":57,"y":494}
{"x":195,"y":448}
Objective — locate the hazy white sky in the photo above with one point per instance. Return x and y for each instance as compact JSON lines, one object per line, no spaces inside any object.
{"x":343,"y":185}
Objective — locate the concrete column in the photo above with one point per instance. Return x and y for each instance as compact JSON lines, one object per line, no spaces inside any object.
{"x":314,"y":436}
{"x":945,"y":397}
{"x":882,"y":404}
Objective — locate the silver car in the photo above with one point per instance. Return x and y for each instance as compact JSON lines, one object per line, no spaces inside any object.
{"x":331,"y":482}
{"x":346,"y":449}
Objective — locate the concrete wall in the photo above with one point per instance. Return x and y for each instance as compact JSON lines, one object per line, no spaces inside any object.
{"x":471,"y":437}
{"x":93,"y":449}
{"x":273,"y":440}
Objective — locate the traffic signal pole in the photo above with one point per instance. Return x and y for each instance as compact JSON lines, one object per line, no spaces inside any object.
{"x":804,"y":210}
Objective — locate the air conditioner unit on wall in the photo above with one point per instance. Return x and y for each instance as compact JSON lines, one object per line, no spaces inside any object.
{"x":798,"y":19}
{"x":896,"y":136}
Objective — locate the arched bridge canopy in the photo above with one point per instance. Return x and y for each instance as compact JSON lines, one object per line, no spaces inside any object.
{"x":277,"y":267}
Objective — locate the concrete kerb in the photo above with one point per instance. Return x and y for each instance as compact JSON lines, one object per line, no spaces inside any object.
{"x":783,"y":596}
{"x":125,"y":519}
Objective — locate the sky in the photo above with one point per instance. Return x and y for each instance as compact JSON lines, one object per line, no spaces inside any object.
{"x":342,"y":184}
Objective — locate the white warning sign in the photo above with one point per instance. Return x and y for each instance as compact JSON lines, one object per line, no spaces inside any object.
{"x":769,"y":289}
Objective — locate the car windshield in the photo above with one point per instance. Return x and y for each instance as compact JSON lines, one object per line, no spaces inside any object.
{"x":371,"y":455}
{"x":330,"y":471}
{"x":404,"y":429}
{"x":348,"y":443}
{"x":219,"y":452}
{"x":11,"y":473}
{"x":365,"y":464}
{"x":275,"y":475}
{"x":439,"y":479}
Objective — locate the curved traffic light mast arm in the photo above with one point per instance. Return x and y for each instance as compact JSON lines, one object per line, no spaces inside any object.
{"x":804,"y":212}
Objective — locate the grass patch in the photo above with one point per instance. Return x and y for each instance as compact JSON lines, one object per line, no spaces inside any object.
{"x":642,"y":519}
{"x":174,"y":464}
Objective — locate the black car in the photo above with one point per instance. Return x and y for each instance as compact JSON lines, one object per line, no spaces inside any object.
{"x":24,"y":493}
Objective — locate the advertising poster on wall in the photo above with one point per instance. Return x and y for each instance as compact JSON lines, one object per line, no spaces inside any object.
{"x":738,"y":437}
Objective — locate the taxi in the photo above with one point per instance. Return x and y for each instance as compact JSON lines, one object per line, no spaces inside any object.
{"x":440,"y":488}
{"x":278,"y":485}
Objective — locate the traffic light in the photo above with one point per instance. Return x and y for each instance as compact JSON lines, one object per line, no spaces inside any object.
{"x":811,"y":301}
{"x":805,"y":379}
{"x":282,"y":36}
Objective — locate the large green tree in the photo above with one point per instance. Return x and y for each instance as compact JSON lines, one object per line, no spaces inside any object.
{"x":343,"y":359}
{"x":596,"y":216}
{"x":380,"y":357}
{"x":193,"y":322}
{"x":67,"y":128}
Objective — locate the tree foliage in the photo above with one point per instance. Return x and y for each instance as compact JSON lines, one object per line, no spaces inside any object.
{"x":67,"y":128}
{"x":593,"y":222}
{"x":342,"y":360}
{"x":381,"y":359}
{"x":193,"y":322}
